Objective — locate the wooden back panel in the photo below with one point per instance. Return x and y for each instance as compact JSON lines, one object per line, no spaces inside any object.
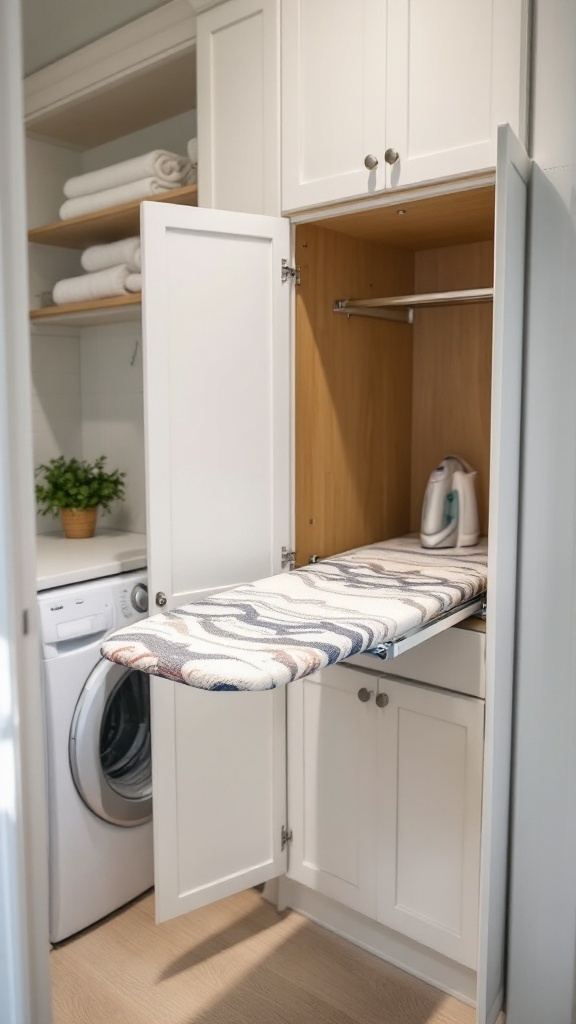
{"x":353,"y":396}
{"x":452,"y":372}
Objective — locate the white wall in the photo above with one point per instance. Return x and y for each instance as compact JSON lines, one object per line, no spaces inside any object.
{"x":56,"y":401}
{"x":172,"y":134}
{"x":113,"y":414}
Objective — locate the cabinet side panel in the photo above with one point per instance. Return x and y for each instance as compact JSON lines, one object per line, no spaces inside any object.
{"x":353,"y":397}
{"x":238,"y":120}
{"x":452,"y":371}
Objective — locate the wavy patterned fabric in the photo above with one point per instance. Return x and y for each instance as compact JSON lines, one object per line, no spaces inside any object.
{"x":271,"y":632}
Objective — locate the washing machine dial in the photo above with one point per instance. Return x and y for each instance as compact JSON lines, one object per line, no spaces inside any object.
{"x":139,"y":597}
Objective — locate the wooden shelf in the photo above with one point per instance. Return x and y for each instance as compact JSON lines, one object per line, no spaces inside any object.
{"x":106,"y":225}
{"x":118,"y":308}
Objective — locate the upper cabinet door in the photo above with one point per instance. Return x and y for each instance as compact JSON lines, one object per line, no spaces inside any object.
{"x":238,"y":58}
{"x":455,"y":71}
{"x":416,"y":88}
{"x":333,"y":99}
{"x":217,"y":399}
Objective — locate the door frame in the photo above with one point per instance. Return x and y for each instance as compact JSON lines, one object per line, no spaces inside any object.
{"x":24,"y":946}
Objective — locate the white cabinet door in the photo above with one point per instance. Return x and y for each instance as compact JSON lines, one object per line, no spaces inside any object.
{"x":455,"y":71}
{"x":219,"y":781}
{"x":429,"y":783}
{"x":217,"y":398}
{"x":238,"y":68}
{"x":333,"y":99}
{"x":331,"y":785}
{"x":217,"y":416}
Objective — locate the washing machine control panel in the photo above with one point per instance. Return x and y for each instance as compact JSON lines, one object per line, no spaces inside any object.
{"x":90,"y":610}
{"x":70,"y":616}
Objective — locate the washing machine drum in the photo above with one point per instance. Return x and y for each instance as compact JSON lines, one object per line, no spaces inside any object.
{"x":110,"y":746}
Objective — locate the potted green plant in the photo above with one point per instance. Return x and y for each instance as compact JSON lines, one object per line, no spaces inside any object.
{"x":75,"y":490}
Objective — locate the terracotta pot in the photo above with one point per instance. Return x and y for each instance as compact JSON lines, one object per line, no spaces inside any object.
{"x":78,"y":522}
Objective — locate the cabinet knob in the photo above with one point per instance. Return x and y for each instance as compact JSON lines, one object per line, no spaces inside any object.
{"x":391,"y":156}
{"x":370,"y":161}
{"x":161,"y":599}
{"x":382,"y":700}
{"x":364,"y":694}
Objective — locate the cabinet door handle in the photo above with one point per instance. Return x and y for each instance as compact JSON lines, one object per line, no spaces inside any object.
{"x":391,"y":156}
{"x":161,"y":599}
{"x":382,"y":700}
{"x":364,"y":694}
{"x":370,"y":161}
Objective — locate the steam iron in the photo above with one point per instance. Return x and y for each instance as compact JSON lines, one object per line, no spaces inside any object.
{"x":450,"y":511}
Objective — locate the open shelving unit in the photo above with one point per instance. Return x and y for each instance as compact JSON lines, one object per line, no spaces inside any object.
{"x":96,"y":229}
{"x":106,"y":225}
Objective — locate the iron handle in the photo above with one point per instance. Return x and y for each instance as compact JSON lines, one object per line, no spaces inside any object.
{"x":364,"y":695}
{"x":370,"y":161}
{"x":391,"y":156}
{"x":161,"y":599}
{"x":382,"y":700}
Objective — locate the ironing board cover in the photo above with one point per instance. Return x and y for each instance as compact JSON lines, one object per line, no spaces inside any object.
{"x":271,"y":632}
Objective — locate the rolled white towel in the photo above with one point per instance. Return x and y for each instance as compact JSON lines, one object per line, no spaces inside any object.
{"x":113,"y":197}
{"x":159,"y":163}
{"x":125,"y":250}
{"x":100,"y":285}
{"x":192,"y":150}
{"x":134,"y":283}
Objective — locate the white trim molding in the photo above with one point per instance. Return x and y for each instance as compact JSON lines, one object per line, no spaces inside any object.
{"x":199,"y":6}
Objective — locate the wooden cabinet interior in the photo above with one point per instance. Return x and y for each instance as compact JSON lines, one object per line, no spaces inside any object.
{"x":378,"y":404}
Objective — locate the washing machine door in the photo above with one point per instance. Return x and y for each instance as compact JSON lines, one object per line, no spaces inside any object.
{"x":110,"y":745}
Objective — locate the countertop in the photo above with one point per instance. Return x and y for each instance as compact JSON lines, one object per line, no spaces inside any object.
{"x":60,"y":561}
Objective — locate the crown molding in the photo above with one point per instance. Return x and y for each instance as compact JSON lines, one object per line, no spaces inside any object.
{"x":198,"y":6}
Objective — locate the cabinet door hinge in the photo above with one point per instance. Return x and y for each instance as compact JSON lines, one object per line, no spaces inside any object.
{"x":286,"y":835}
{"x":288,"y":558}
{"x":287,"y":272}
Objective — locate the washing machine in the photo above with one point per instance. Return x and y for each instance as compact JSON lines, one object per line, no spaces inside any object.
{"x":98,"y":752}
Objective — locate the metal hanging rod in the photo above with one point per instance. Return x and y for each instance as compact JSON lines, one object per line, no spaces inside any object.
{"x":401,"y":308}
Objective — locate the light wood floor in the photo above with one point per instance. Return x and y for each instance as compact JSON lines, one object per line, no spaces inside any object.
{"x":235,"y":962}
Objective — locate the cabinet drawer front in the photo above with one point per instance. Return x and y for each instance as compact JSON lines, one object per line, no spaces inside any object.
{"x":452,"y":660}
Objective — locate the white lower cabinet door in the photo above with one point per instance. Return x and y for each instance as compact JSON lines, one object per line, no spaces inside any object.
{"x":429,"y":780}
{"x":331,"y":785}
{"x":219,"y":777}
{"x":217,"y":418}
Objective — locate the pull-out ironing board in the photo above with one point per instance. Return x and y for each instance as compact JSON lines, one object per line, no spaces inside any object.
{"x":379,"y":599}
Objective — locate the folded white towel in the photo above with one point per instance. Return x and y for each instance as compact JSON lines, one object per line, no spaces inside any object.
{"x":159,"y":163}
{"x":113,"y":197}
{"x":134,"y":283}
{"x":192,"y":149}
{"x":100,"y":285}
{"x":126,"y":250}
